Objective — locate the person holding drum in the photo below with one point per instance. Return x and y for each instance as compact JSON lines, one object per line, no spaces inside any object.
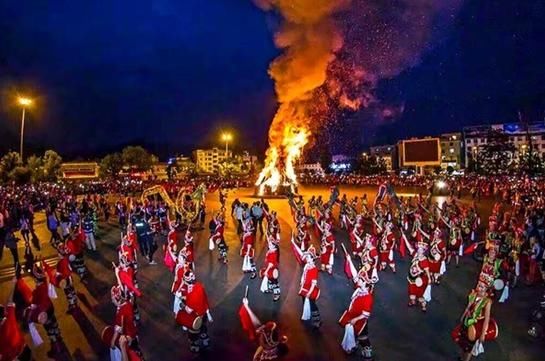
{"x":195,"y":315}
{"x":327,"y":248}
{"x":309,"y":290}
{"x":476,"y":325}
{"x":386,"y":248}
{"x":437,"y":256}
{"x":419,"y":277}
{"x":63,"y":278}
{"x":302,"y":234}
{"x":122,"y":337}
{"x":271,"y":344}
{"x":491,"y":269}
{"x":358,"y":312}
{"x":216,"y":237}
{"x":188,"y":250}
{"x":357,"y":237}
{"x":41,"y":311}
{"x":171,"y":247}
{"x":269,"y":271}
{"x":12,"y":340}
{"x":75,"y":244}
{"x":456,"y":244}
{"x":247,"y":251}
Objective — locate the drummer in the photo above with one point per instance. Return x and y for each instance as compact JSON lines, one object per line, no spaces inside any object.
{"x":476,"y":324}
{"x":41,"y":310}
{"x":195,"y":315}
{"x":125,"y":332}
{"x":491,"y":269}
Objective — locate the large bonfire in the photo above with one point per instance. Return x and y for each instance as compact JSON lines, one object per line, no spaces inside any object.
{"x":310,"y":39}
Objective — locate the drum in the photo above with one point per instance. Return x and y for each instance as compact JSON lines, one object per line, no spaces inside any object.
{"x":418,"y":282}
{"x":189,"y":320}
{"x":272,"y":274}
{"x":499,"y":284}
{"x":35,"y":315}
{"x":474,"y":331}
{"x":456,"y":334}
{"x":107,"y":334}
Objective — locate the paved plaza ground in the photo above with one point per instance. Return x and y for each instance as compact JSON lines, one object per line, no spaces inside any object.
{"x":398,"y":333}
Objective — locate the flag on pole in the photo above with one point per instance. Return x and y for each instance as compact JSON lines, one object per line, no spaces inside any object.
{"x":349,"y":269}
{"x":471,"y":248}
{"x":128,"y":282}
{"x":407,"y":243}
{"x":246,"y":322}
{"x":23,"y":290}
{"x":402,"y":247}
{"x":296,"y":251}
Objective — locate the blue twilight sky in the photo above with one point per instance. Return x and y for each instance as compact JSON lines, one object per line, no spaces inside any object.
{"x":171,"y":74}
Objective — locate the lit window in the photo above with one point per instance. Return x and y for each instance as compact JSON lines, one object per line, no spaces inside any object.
{"x":451,"y":150}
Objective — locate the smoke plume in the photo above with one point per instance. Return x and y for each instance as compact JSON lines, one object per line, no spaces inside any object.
{"x":334,"y":52}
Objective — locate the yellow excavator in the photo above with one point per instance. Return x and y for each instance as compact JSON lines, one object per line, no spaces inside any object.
{"x":187,"y":204}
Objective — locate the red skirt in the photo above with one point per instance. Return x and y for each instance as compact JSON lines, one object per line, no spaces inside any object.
{"x":326,"y":257}
{"x":418,"y":291}
{"x":384,"y":257}
{"x":435,"y":266}
{"x":358,"y":327}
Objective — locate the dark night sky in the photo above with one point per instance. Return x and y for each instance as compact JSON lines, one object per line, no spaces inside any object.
{"x":170,"y":74}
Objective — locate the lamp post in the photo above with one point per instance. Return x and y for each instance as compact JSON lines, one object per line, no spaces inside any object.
{"x":24,"y":103}
{"x":226,"y":137}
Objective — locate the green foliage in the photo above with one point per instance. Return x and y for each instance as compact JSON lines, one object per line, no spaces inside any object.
{"x":8,"y":163}
{"x":496,"y":156}
{"x":111,"y":165}
{"x":231,"y":167}
{"x":36,"y":167}
{"x":531,"y":163}
{"x":137,"y":158}
{"x":20,"y":175}
{"x":51,"y":165}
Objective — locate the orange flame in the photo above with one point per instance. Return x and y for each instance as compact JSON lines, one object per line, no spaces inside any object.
{"x":310,"y":39}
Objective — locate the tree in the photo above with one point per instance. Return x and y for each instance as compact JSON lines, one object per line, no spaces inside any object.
{"x":52,"y":165}
{"x":8,"y":163}
{"x":186,"y":166}
{"x":230,"y":167}
{"x":111,"y":165}
{"x":20,"y":175}
{"x":371,"y":165}
{"x":35,"y":165}
{"x":531,"y":163}
{"x":496,"y":156}
{"x":137,"y":158}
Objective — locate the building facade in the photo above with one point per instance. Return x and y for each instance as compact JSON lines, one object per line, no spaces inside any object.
{"x":309,"y":168}
{"x":451,"y":150}
{"x":79,"y":170}
{"x":209,"y":160}
{"x":522,"y":136}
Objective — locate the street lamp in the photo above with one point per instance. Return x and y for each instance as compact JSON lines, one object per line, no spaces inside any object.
{"x":24,"y":103}
{"x":226,"y":137}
